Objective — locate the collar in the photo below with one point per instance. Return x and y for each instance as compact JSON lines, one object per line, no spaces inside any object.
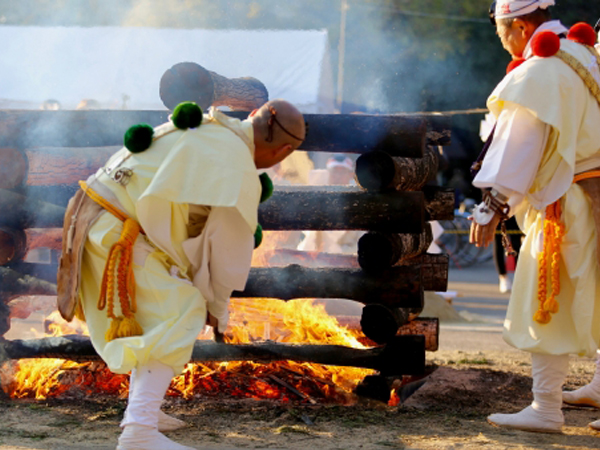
{"x":553,"y":25}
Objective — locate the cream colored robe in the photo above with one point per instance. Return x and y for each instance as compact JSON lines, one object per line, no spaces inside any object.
{"x":556,"y":96}
{"x":196,"y":195}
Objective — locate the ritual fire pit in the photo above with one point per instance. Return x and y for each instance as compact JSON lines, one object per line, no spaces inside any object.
{"x":275,"y":349}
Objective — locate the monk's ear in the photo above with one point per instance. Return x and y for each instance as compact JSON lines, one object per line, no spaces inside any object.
{"x":282,"y":151}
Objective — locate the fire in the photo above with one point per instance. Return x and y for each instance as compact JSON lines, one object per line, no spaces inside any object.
{"x":300,"y":321}
{"x":295,"y":322}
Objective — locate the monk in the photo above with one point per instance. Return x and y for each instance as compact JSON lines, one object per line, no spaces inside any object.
{"x":186,"y":211}
{"x":543,"y":158}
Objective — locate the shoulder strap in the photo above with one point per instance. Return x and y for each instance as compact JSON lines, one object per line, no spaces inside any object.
{"x":585,"y":74}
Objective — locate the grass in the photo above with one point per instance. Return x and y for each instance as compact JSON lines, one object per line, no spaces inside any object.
{"x":298,"y":429}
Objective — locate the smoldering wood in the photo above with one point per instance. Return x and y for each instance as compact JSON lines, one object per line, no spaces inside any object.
{"x":208,"y":88}
{"x":400,"y":286}
{"x":435,"y":271}
{"x":20,"y":211}
{"x":4,"y":324}
{"x":380,"y":251}
{"x":379,"y":171}
{"x":405,"y":355}
{"x":318,"y":208}
{"x":44,"y":238}
{"x":339,"y":133}
{"x":380,"y":323}
{"x":13,"y":168}
{"x":439,"y":203}
{"x":45,"y":272}
{"x":285,"y":256}
{"x":427,"y":327}
{"x":64,"y":165}
{"x":13,"y":245}
{"x":14,"y":284}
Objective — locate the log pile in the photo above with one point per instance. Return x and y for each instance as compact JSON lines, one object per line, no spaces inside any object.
{"x":43,"y":154}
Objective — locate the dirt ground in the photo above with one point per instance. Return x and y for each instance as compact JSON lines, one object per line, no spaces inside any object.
{"x":447,"y":412}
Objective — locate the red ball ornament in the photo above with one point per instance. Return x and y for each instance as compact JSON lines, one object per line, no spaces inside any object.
{"x":514,"y":64}
{"x":582,"y":33}
{"x":545,"y":44}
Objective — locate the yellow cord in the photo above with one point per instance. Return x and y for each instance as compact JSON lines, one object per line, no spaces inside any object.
{"x":119,"y":270}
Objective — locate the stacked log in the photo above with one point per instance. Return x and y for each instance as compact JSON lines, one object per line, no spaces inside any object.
{"x":43,"y":155}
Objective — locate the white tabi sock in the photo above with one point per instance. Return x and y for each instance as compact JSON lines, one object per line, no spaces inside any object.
{"x":590,"y":393}
{"x":165,"y":422}
{"x":140,"y":423}
{"x":544,"y":414}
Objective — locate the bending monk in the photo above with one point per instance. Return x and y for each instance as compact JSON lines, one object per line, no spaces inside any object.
{"x":156,"y":241}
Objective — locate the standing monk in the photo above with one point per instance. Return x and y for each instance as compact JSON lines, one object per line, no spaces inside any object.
{"x":547,"y":138}
{"x":156,"y":241}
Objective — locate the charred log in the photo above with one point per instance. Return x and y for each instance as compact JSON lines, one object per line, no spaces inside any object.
{"x":397,"y":287}
{"x":309,"y":208}
{"x":347,"y":133}
{"x":14,"y":284}
{"x":44,"y":272}
{"x":285,"y":256}
{"x":429,"y":328}
{"x":405,"y":355}
{"x":13,"y":168}
{"x":434,"y":270}
{"x":44,"y":238}
{"x":439,"y":203}
{"x":379,"y":171}
{"x":380,"y":323}
{"x":13,"y":245}
{"x":380,"y":251}
{"x":190,"y":82}
{"x":19,"y":211}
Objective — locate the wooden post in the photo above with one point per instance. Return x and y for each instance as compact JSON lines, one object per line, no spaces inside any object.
{"x":380,"y":251}
{"x":379,"y":171}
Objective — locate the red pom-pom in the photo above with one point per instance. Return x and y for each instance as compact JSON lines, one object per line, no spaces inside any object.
{"x":545,"y":44}
{"x":514,"y":64}
{"x":582,"y":33}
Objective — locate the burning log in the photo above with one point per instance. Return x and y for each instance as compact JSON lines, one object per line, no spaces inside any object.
{"x":439,"y":203}
{"x":190,"y":82}
{"x":400,"y":286}
{"x":429,"y":328}
{"x":379,"y":171}
{"x":13,"y":245}
{"x":346,"y":133}
{"x":44,"y":238}
{"x":52,"y":165}
{"x":381,"y":323}
{"x":19,"y":211}
{"x":310,"y":208}
{"x":404,"y":355}
{"x":380,"y":251}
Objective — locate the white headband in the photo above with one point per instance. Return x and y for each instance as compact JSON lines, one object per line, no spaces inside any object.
{"x":506,"y":9}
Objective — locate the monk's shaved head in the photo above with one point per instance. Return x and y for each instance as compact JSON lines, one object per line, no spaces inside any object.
{"x":279,"y":129}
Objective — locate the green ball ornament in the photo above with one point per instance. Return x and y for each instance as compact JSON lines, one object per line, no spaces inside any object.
{"x":258,"y":236}
{"x":267,"y":187}
{"x":187,"y":115}
{"x":138,"y":138}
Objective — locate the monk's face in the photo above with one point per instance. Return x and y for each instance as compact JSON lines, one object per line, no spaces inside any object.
{"x":514,"y":37}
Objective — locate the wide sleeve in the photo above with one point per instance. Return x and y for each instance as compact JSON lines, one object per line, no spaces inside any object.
{"x":512,"y":161}
{"x":220,"y":259}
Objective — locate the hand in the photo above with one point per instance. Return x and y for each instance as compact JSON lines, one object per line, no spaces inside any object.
{"x":483,"y":235}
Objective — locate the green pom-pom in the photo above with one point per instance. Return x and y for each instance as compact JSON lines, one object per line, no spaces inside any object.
{"x":267,"y":187}
{"x":139,"y":138}
{"x":187,"y":115}
{"x":258,"y":236}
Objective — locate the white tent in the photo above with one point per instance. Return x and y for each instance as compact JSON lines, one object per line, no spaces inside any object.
{"x":107,"y":63}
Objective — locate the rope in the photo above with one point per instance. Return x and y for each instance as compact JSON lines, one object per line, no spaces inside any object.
{"x":119,"y":271}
